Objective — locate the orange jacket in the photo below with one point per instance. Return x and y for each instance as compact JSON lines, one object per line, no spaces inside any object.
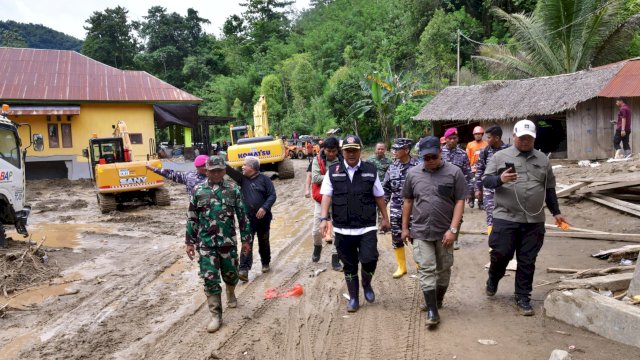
{"x":473,"y":152}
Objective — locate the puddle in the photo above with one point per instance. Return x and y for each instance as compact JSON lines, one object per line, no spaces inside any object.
{"x":36,"y":295}
{"x":59,"y":235}
{"x":170,"y":273}
{"x":10,"y":350}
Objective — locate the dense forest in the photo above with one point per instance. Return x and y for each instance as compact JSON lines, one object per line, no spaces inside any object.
{"x":14,"y":34}
{"x":364,"y":66}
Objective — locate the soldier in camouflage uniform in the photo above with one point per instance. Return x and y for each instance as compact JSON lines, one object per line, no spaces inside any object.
{"x":392,"y":185}
{"x":382,"y":163}
{"x":211,"y":230}
{"x":453,"y":154}
{"x":189,"y":178}
{"x":494,"y":139}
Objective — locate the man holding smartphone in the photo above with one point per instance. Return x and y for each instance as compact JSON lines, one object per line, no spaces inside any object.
{"x":523,"y":181}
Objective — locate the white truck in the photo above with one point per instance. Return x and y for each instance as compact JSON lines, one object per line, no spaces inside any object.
{"x":13,"y":210}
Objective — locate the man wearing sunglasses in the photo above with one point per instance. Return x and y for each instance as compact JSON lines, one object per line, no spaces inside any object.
{"x":434,"y":196}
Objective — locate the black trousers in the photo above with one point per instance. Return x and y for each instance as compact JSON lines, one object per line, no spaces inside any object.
{"x":354,"y":249}
{"x":523,"y":239}
{"x":617,"y":138}
{"x":260,"y":227}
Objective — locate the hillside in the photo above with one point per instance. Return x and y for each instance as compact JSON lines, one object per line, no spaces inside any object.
{"x":16,"y":34}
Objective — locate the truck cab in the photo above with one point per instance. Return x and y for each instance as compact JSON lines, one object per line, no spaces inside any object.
{"x":13,"y":209}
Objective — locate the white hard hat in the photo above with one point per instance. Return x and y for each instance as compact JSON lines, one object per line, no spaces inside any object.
{"x":525,"y":127}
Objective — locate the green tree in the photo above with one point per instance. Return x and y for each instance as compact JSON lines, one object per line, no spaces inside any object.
{"x":438,"y":42}
{"x":11,"y":38}
{"x":564,"y":36}
{"x":110,"y":38}
{"x":271,"y":88}
{"x":169,"y":39}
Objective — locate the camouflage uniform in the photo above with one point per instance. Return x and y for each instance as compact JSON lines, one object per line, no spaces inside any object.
{"x":459,"y":158}
{"x":487,"y":194}
{"x":381,"y":164}
{"x":392,"y":185}
{"x":189,"y":178}
{"x":211,"y":228}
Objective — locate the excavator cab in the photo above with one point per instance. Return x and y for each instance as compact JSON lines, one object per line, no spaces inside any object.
{"x":105,"y":151}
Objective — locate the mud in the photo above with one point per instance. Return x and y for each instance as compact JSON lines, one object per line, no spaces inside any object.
{"x":125,"y":290}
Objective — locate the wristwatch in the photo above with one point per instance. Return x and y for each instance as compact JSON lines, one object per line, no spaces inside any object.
{"x":453,"y":230}
{"x":324,"y":219}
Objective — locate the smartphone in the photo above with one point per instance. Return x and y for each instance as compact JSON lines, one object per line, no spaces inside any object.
{"x":509,"y":165}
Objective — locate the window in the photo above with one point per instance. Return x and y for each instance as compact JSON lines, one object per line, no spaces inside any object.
{"x":52,"y":131}
{"x":9,"y":150}
{"x":135,"y":138}
{"x":66,"y":135}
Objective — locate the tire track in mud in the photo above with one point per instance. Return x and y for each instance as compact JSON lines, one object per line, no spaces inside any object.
{"x":189,"y":337}
{"x":102,"y":322}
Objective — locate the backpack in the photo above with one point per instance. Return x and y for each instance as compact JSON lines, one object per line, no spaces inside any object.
{"x":315,"y":188}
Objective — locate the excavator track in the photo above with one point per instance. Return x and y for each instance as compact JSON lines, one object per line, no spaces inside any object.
{"x":107,"y":203}
{"x":161,"y":197}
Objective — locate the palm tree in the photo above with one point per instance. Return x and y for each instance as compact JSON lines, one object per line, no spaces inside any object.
{"x":563,"y":36}
{"x":383,"y":92}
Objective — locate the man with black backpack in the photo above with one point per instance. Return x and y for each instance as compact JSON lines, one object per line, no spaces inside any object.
{"x":328,"y":156}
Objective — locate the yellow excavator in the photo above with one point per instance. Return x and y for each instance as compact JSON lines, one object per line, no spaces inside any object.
{"x":118,"y":179}
{"x":257,"y":142}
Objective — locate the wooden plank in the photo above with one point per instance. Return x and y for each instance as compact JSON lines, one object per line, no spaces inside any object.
{"x":625,"y":197}
{"x":570,"y":189}
{"x":617,"y":201}
{"x":615,"y":185}
{"x":614,"y":206}
{"x":635,"y":238}
{"x":573,"y":228}
{"x":605,"y":253}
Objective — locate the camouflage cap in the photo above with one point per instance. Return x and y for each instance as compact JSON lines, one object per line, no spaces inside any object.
{"x":215,"y":162}
{"x":401,"y":143}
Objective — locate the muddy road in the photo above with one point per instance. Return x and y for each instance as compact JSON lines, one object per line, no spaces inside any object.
{"x":127,"y":291}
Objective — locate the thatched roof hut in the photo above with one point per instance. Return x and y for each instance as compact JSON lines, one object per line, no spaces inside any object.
{"x":518,"y":99}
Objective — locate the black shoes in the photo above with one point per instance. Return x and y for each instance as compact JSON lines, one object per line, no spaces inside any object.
{"x":317,"y":249}
{"x":433,"y":318}
{"x":490,"y":289}
{"x":524,"y":306}
{"x":369,"y":295}
{"x":440,"y":291}
{"x":335,"y":263}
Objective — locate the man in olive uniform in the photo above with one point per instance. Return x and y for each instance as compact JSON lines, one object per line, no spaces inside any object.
{"x":392,"y":185}
{"x":382,"y":163}
{"x":211,"y":231}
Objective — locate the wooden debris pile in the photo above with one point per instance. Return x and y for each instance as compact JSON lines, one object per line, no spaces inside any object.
{"x":618,"y":192}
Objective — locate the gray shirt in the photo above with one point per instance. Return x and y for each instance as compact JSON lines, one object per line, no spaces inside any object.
{"x":434,"y":195}
{"x":528,"y":191}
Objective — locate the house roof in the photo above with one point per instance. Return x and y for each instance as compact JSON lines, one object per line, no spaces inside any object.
{"x":35,"y":75}
{"x":519,"y":99}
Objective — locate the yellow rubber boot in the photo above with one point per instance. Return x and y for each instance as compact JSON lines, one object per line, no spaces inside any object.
{"x":402,"y":263}
{"x":489,"y":228}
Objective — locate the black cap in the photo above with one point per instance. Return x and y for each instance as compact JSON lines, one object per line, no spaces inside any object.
{"x":401,"y":143}
{"x":429,"y":145}
{"x":351,"y":142}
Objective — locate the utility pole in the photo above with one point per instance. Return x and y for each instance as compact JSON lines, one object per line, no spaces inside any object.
{"x":458,"y":67}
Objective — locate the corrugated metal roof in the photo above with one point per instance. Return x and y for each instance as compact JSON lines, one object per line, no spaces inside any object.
{"x":61,"y":75}
{"x":44,"y":110}
{"x":626,"y":82}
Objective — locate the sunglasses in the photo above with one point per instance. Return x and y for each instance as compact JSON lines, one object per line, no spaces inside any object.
{"x":430,"y":157}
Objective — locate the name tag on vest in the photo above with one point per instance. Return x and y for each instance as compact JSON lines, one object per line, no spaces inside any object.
{"x":368,"y":175}
{"x":338,"y":174}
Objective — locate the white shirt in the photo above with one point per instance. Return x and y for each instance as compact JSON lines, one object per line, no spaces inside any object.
{"x":327,"y":189}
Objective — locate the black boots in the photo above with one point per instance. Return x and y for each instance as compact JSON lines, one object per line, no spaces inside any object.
{"x":440,"y":291}
{"x":317,"y":249}
{"x":433,"y":318}
{"x":369,"y":295}
{"x":335,"y":263}
{"x":353,"y":286}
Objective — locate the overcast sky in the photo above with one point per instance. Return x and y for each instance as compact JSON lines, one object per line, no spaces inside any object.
{"x":69,"y":16}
